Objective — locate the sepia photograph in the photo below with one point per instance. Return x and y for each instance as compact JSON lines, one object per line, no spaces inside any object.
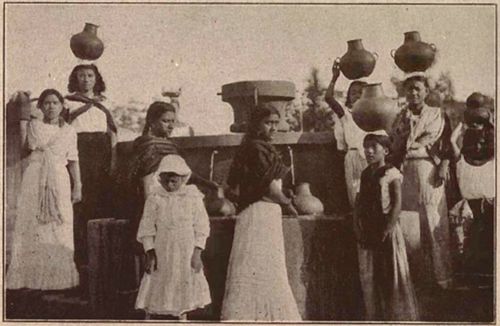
{"x":249,"y":162}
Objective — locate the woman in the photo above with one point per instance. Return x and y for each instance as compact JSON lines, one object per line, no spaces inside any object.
{"x":88,"y":113}
{"x":42,"y":250}
{"x":476,"y":178}
{"x":416,"y":137}
{"x":257,"y":285}
{"x":348,"y":135}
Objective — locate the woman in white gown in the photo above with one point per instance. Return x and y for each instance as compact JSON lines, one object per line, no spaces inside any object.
{"x":257,"y":286}
{"x":42,"y":250}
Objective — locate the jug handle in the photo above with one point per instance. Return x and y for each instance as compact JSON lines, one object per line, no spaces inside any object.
{"x":375,"y":54}
{"x":433,"y":47}
{"x":393,"y":52}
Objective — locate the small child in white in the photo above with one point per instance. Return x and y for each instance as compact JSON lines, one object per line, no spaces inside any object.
{"x":173,"y":231}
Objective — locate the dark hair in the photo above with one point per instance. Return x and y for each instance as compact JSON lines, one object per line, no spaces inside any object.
{"x":43,"y":96}
{"x":383,"y":140}
{"x":47,"y":92}
{"x":421,"y":79}
{"x":259,"y":113}
{"x":155,"y":111}
{"x":73,"y":86}
{"x":348,"y":101}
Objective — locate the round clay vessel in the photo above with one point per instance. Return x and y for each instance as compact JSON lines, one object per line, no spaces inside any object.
{"x":374,"y":111}
{"x":357,"y":62}
{"x":305,"y":202}
{"x":86,"y":45}
{"x":414,"y":55}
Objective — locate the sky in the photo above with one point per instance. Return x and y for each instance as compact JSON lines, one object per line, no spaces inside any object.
{"x":200,"y":47}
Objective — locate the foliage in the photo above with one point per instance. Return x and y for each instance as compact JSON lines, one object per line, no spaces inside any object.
{"x":131,"y":115}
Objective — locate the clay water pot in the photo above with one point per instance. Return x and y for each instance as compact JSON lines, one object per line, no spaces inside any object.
{"x":414,"y":55}
{"x":86,"y":45}
{"x":305,"y":202}
{"x":218,"y":205}
{"x":374,"y":111}
{"x":357,"y":62}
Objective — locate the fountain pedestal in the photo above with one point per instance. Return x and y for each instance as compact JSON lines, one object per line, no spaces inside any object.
{"x":245,"y":95}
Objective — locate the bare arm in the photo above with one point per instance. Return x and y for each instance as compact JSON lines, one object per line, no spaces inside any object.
{"x":330,"y":91}
{"x":74,"y":172}
{"x":395,"y":194}
{"x":457,"y":132}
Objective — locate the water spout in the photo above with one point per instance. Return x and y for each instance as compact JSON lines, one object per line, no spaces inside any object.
{"x":212,"y":159}
{"x":292,"y":167}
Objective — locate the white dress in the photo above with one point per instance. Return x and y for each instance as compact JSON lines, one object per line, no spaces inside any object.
{"x":349,"y":138}
{"x":173,"y":223}
{"x":476,"y":182}
{"x":257,"y":287}
{"x":43,"y":253}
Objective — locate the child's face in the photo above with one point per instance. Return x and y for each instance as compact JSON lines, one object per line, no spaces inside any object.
{"x":374,"y":152}
{"x":51,"y":107}
{"x":171,"y":182}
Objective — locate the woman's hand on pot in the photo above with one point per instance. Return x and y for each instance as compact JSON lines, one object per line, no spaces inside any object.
{"x":290,"y":210}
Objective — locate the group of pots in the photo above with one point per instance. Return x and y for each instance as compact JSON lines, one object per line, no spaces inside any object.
{"x":374,"y":111}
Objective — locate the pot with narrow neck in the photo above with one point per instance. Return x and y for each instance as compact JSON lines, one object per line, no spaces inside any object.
{"x":305,"y":202}
{"x":86,"y":45}
{"x":414,"y":55}
{"x":374,"y":111}
{"x":357,"y":62}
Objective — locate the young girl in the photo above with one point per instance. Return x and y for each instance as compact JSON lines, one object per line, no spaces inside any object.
{"x":173,"y":231}
{"x":385,"y":279}
{"x":42,"y":250}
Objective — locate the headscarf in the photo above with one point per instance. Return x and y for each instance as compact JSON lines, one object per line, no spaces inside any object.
{"x":175,"y":164}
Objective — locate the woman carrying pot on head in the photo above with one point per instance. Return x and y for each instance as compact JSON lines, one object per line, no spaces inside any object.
{"x":257,"y":286}
{"x":348,"y":135}
{"x":88,"y":113}
{"x":416,"y":147}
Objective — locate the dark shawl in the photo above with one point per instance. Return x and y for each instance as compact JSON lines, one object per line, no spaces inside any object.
{"x":87,"y":104}
{"x":255,"y":166}
{"x":148,"y":152}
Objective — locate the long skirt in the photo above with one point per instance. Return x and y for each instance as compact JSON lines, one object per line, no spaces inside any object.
{"x":429,"y":249}
{"x":388,"y":291}
{"x":94,"y":152}
{"x":42,"y":254}
{"x":354,"y":164}
{"x":257,"y":287}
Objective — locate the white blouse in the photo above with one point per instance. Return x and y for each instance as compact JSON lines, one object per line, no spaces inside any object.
{"x":94,"y":120}
{"x":476,"y":182}
{"x":348,"y":134}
